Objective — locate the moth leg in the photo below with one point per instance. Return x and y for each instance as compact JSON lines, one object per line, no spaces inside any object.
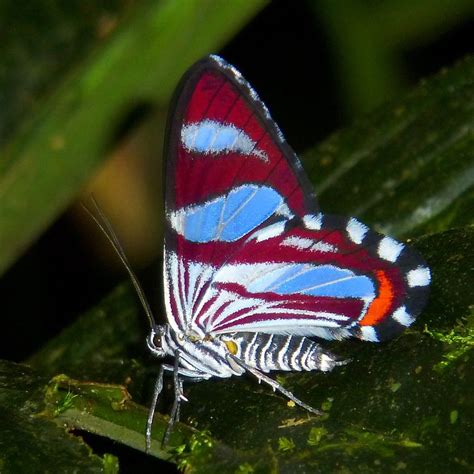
{"x":178,"y":398}
{"x":181,"y":396}
{"x":192,"y":376}
{"x":274,"y":384}
{"x":151,"y":413}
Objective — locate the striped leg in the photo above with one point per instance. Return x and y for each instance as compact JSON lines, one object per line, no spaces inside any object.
{"x":273,"y":383}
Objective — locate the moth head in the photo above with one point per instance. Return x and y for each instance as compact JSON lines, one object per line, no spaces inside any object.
{"x":156,"y":341}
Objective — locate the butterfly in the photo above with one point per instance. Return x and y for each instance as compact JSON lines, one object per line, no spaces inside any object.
{"x":253,"y":270}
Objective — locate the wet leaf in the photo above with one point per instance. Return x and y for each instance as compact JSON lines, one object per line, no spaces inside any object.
{"x":31,"y":441}
{"x":407,"y":168}
{"x":367,"y":426}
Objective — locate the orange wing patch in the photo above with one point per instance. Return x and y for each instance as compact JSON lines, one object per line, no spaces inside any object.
{"x":379,"y":307}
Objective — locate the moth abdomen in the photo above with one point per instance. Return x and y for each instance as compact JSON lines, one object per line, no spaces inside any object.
{"x":268,"y":352}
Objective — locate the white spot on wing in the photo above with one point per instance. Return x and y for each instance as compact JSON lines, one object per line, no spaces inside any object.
{"x":389,"y":249}
{"x":177,"y":220}
{"x":284,"y":210}
{"x":421,"y":276}
{"x":268,"y":232}
{"x":356,"y":230}
{"x":323,"y":247}
{"x":308,"y":244}
{"x":313,"y":222}
{"x":368,"y":334}
{"x":402,"y":317}
{"x":298,"y":242}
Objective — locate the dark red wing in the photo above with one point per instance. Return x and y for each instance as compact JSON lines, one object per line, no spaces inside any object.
{"x":222,"y":145}
{"x":214,"y":93}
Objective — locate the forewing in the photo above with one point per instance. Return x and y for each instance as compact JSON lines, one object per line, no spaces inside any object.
{"x":229,"y":171}
{"x":221,"y":136}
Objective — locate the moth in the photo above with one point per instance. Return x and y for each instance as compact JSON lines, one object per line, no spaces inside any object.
{"x":253,"y":270}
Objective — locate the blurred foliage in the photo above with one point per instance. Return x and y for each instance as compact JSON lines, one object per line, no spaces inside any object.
{"x":368,"y":40}
{"x":68,"y":123}
{"x":408,"y":167}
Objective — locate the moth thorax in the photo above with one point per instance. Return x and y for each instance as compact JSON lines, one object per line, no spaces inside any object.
{"x":193,"y":335}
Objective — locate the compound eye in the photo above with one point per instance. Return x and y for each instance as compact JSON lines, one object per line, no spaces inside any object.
{"x":157,"y":341}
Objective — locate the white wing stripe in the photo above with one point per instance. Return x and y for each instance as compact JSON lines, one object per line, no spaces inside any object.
{"x":172,"y":270}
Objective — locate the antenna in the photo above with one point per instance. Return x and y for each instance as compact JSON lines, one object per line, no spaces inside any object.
{"x":106,"y":228}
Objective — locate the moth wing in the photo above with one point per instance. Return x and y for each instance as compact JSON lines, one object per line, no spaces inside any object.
{"x":228,"y":172}
{"x":245,"y":246}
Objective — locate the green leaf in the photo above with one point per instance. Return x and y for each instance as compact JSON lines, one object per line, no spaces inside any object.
{"x":36,"y":413}
{"x":59,"y":141}
{"x":368,"y":425}
{"x":285,"y":444}
{"x":29,"y":440}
